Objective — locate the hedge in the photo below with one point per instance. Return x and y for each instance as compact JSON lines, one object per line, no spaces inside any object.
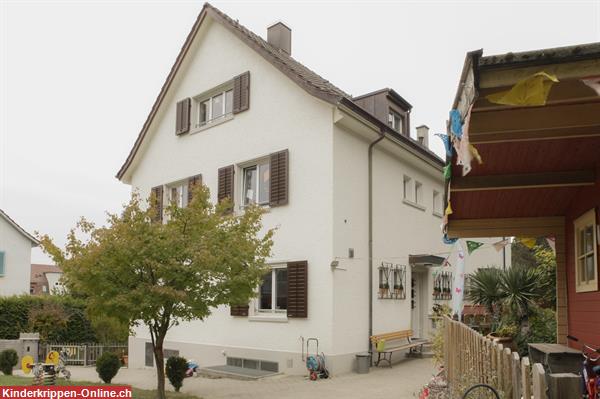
{"x":15,"y":312}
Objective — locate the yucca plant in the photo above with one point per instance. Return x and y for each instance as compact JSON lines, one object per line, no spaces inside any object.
{"x":485,"y":289}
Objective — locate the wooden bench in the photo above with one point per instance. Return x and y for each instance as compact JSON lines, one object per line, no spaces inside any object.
{"x":386,"y":344}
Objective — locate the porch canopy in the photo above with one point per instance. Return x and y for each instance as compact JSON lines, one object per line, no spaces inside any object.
{"x":536,"y":159}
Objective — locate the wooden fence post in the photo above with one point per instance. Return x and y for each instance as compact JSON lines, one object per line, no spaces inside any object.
{"x":538,"y":378}
{"x":516,"y":376}
{"x":526,"y":378}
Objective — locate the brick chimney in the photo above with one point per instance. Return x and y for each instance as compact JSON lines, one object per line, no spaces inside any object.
{"x":423,"y":135}
{"x":280,"y":36}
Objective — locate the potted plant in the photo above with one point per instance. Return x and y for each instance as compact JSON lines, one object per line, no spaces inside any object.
{"x":505,"y":335}
{"x":381,"y":290}
{"x":401,"y":290}
{"x":386,"y":289}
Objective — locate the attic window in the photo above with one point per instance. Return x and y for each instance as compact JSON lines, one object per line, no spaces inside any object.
{"x":396,"y":121}
{"x":213,"y":107}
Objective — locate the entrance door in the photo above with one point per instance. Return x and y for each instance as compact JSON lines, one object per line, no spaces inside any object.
{"x":417,"y":303}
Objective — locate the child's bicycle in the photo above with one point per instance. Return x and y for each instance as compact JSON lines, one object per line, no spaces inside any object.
{"x":590,"y":370}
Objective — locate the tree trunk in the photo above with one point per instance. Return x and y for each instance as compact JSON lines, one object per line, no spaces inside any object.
{"x":160,"y":368}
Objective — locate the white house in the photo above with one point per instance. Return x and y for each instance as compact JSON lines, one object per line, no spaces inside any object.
{"x":357,"y":201}
{"x":15,"y":257}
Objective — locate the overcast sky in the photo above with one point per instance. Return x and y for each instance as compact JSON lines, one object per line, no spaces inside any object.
{"x":79,"y":78}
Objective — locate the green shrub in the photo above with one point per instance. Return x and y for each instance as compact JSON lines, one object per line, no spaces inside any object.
{"x":107,"y":366}
{"x":56,"y":318}
{"x":8,"y":360}
{"x":176,"y":368}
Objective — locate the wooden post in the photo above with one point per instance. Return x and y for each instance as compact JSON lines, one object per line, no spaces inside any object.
{"x":506,"y":372}
{"x":538,"y":378}
{"x":517,"y":387}
{"x":526,"y":378}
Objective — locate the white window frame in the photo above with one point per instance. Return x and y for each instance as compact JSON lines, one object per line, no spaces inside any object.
{"x":438,"y":203}
{"x":407,"y":187}
{"x":202,"y":98}
{"x":392,"y":115}
{"x":582,"y":222}
{"x":182,"y":187}
{"x":254,"y":164}
{"x":273,"y":309}
{"x":418,"y":192}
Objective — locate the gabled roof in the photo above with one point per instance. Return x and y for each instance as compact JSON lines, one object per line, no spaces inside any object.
{"x":310,"y":81}
{"x":19,"y":228}
{"x":390,"y":92}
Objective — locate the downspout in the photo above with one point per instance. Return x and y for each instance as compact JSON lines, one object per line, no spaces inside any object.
{"x":371,"y":146}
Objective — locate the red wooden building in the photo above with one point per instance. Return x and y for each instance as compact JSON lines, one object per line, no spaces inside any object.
{"x":540,"y":174}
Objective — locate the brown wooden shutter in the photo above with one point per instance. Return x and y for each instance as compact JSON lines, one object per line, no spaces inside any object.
{"x":241,"y":92}
{"x":239,"y":310}
{"x":157,"y":202}
{"x":297,"y":305}
{"x":225,"y":184}
{"x":182,"y":123}
{"x":193,"y":182}
{"x":278,"y":191}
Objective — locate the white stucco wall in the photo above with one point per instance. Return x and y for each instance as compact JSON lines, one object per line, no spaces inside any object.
{"x":17,"y":260}
{"x":54,"y":284}
{"x":281,"y":116}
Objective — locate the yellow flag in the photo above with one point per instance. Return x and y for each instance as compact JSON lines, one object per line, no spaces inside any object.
{"x":448,"y":209}
{"x":530,"y":91}
{"x":475,"y":153}
{"x":528,"y":242}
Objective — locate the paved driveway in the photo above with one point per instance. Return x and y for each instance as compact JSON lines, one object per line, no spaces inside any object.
{"x":404,"y":380}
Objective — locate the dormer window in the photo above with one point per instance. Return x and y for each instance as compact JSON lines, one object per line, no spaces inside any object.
{"x":396,"y":121}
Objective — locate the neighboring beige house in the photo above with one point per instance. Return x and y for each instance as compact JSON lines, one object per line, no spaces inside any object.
{"x":356,"y":201}
{"x":15,"y":257}
{"x":45,"y":279}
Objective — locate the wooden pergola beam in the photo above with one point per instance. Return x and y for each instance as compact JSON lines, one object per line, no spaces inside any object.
{"x":525,"y":180}
{"x":561,"y":132}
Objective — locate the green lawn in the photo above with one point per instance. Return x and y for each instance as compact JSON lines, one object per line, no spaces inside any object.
{"x":11,"y":380}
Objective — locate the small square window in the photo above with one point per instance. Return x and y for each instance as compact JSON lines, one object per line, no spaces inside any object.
{"x":213,"y":107}
{"x":177,"y":193}
{"x":396,"y":121}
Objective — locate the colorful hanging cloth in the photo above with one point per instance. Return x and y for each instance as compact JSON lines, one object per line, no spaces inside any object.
{"x":449,"y":210}
{"x":446,"y":140}
{"x":472,"y":246}
{"x":456,"y":123}
{"x":530,"y":91}
{"x":448,"y":172}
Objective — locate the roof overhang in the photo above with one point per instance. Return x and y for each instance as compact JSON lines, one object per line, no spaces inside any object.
{"x":34,"y":241}
{"x":426,"y":260}
{"x":535,"y":158}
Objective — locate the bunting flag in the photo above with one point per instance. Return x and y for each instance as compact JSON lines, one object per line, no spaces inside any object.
{"x":459,"y":282}
{"x":447,"y":145}
{"x":448,"y":172}
{"x":456,"y":123}
{"x":448,"y":240}
{"x":472,"y":246}
{"x":551,"y":243}
{"x":501,"y":244}
{"x":593,"y":83}
{"x":530,"y":91}
{"x":528,"y":242}
{"x":449,"y":210}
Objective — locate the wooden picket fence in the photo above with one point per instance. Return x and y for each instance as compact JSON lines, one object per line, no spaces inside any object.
{"x":471,"y":358}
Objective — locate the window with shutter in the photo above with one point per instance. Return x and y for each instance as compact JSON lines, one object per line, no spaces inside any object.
{"x":297,"y":301}
{"x":193,"y":182}
{"x":157,"y":203}
{"x":239,"y":310}
{"x":241,"y":92}
{"x":279,"y":178}
{"x":2,"y":267}
{"x":182,"y":122}
{"x":225,"y":184}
